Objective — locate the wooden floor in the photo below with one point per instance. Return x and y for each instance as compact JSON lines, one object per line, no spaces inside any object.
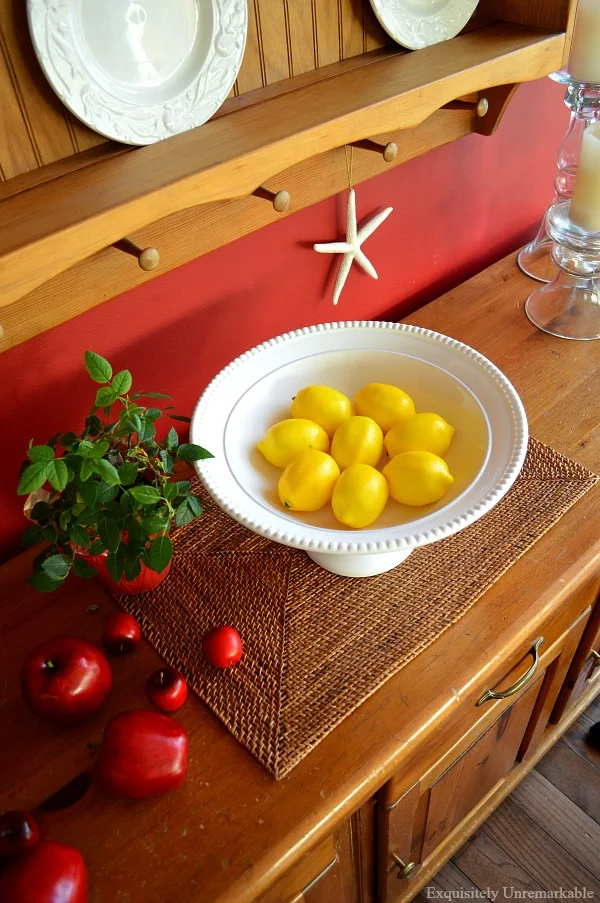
{"x":545,"y":836}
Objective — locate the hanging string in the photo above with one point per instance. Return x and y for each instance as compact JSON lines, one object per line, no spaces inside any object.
{"x":349,"y":164}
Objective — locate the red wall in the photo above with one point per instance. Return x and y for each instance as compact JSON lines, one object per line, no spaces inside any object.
{"x":456,"y":210}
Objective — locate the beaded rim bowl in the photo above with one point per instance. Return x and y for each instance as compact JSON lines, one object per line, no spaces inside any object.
{"x":237,"y":405}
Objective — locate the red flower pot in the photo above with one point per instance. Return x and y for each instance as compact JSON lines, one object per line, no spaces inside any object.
{"x":146,"y":580}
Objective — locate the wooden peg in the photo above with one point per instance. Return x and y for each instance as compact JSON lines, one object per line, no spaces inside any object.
{"x":388,"y":151}
{"x":281,"y":200}
{"x":480,"y":106}
{"x":148,"y":258}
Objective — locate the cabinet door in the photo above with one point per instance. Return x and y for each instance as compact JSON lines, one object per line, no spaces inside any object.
{"x":414,"y":828}
{"x":584,"y":671}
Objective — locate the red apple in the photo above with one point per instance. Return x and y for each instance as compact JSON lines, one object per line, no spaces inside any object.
{"x":166,"y":689}
{"x":18,"y":832}
{"x":143,"y":754}
{"x":66,"y":679}
{"x":121,"y":633}
{"x":47,"y":873}
{"x":222,"y":646}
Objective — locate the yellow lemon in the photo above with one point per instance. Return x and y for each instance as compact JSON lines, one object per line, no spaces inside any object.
{"x":418,"y":478}
{"x":307,"y":482}
{"x":386,"y":405}
{"x":359,"y":496}
{"x":286,"y":439}
{"x":421,"y":432}
{"x":358,"y":440}
{"x":322,"y":405}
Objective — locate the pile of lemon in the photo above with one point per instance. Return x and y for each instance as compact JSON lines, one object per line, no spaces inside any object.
{"x":330,"y":452}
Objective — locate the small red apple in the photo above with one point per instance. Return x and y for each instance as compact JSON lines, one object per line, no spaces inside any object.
{"x":166,"y":689}
{"x":121,"y":633}
{"x":49,"y":872}
{"x":143,"y":754}
{"x":222,"y":646}
{"x":66,"y":679}
{"x":18,"y":832}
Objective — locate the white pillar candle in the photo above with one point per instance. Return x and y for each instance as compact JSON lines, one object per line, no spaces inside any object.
{"x":584,"y":62}
{"x":585,"y":206}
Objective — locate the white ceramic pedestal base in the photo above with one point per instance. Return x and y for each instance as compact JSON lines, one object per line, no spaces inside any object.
{"x":367,"y":565}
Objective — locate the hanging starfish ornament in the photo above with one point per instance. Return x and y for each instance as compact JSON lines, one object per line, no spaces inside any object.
{"x":351,"y":248}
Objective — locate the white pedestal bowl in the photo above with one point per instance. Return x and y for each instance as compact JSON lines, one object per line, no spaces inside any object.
{"x":441,"y":374}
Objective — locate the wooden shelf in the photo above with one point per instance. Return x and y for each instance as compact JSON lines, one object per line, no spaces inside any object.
{"x":57,"y":217}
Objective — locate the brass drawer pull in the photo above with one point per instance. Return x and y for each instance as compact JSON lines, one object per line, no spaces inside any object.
{"x":596,"y":657}
{"x":520,"y":683}
{"x":405,"y":869}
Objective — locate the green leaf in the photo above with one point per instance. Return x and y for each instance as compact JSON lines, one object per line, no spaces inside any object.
{"x":170,"y":491}
{"x":99,"y":449}
{"x":86,"y":470}
{"x":172,"y":440}
{"x":79,"y":536}
{"x":128,"y":473}
{"x":194,"y":505}
{"x":155,"y":523}
{"x":49,"y":533}
{"x":181,"y":417}
{"x":105,"y":397}
{"x":148,"y":432}
{"x":57,"y":566}
{"x":44,"y":583}
{"x":31,"y":535}
{"x":106,"y":492}
{"x":32,"y":478}
{"x":97,"y":547}
{"x":134,"y":530}
{"x":133,"y":568}
{"x":83,"y":568}
{"x":68,"y":439}
{"x":121,"y":383}
{"x":109,"y":534}
{"x":115,"y":566}
{"x":93,"y":425}
{"x":132,"y":424}
{"x":57,"y":474}
{"x":153,"y":414}
{"x":64,"y":520}
{"x":41,"y":513}
{"x":159,"y":553}
{"x":40,"y":453}
{"x":152,"y":395}
{"x":183,"y":515}
{"x":97,"y":367}
{"x":106,"y":470}
{"x":145,"y":495}
{"x":85,"y":449}
{"x":88,"y":494}
{"x":167,"y":460}
{"x":190,"y":452}
{"x":183,"y":487}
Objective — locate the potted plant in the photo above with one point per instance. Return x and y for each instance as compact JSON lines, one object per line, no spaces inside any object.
{"x":113,"y":495}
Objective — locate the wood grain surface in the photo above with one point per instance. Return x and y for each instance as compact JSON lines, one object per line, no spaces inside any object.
{"x":47,"y":229}
{"x":231,"y":831}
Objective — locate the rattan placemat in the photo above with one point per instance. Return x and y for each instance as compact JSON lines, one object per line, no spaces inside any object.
{"x":317,"y":645}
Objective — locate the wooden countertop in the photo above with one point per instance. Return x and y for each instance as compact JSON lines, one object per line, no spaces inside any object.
{"x":230,"y":830}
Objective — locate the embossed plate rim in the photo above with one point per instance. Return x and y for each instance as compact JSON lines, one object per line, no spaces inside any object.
{"x":63,"y":63}
{"x":414,"y":30}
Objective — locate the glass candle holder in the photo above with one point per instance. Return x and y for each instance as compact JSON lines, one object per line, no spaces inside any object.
{"x":583,"y":100}
{"x":569,"y":306}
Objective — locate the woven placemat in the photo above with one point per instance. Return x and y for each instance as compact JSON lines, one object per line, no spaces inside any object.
{"x":317,"y":645}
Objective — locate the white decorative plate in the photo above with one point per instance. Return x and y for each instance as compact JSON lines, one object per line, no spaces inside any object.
{"x":418,"y":23}
{"x":139,"y":71}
